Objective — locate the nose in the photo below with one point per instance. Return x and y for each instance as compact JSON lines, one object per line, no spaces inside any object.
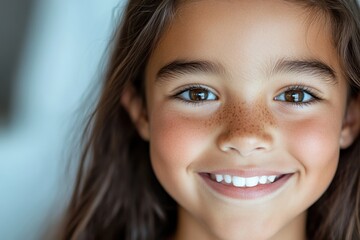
{"x":244,"y":143}
{"x":247,"y":131}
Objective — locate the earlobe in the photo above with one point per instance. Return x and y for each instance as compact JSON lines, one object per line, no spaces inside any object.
{"x":351,"y":125}
{"x":134,"y":106}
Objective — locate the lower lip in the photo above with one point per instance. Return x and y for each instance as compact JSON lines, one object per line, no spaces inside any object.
{"x":258,"y":191}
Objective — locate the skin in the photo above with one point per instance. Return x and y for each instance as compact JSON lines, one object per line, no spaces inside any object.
{"x":245,"y":127}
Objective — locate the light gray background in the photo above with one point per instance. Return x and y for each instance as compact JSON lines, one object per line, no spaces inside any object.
{"x":64,"y":45}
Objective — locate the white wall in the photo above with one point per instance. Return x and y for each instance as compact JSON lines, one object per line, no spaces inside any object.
{"x":63,"y":51}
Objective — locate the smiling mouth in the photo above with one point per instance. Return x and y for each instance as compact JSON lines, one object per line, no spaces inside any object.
{"x":238,"y":181}
{"x":249,"y":187}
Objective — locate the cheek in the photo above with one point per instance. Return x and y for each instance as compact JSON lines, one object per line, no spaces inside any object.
{"x":175,"y":143}
{"x":315,"y":144}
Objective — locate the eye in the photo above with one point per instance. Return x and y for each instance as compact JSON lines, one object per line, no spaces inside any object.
{"x":297,"y":95}
{"x":196,"y":94}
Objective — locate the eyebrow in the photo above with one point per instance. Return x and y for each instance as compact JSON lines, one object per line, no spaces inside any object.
{"x":311,"y":67}
{"x":182,"y":67}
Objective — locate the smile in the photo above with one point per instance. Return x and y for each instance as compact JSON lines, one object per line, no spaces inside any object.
{"x":238,"y":181}
{"x":247,"y":185}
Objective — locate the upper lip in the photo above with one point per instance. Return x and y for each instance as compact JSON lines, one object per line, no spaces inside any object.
{"x":248,"y":173}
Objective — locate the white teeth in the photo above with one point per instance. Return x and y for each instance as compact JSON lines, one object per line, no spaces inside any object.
{"x":272,"y":178}
{"x":263,"y":179}
{"x":227,"y":178}
{"x":238,"y":181}
{"x":219,"y":177}
{"x":252,"y":182}
{"x":242,"y":181}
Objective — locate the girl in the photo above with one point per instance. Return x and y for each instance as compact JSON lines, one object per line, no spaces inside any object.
{"x":225,"y":120}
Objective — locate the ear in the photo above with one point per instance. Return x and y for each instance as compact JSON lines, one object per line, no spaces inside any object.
{"x":351,"y":125}
{"x":133,"y":104}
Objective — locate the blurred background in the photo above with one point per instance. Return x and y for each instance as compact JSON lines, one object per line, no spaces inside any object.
{"x":50,"y":53}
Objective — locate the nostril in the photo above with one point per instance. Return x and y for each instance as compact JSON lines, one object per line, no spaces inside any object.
{"x":260,"y":148}
{"x":244,"y":145}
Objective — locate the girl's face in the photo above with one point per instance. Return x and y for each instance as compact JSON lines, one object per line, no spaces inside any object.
{"x":245,"y":106}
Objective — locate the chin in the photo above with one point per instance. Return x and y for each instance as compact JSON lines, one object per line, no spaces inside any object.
{"x":244,"y":231}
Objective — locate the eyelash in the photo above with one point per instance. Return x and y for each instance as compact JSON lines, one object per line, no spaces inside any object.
{"x":194,"y":87}
{"x":304,"y":89}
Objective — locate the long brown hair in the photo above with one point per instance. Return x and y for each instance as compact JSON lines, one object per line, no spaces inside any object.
{"x":117,"y":195}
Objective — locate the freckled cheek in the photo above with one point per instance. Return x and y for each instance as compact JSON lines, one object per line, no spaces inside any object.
{"x":175,"y":143}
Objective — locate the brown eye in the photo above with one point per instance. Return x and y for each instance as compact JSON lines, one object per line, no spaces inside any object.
{"x":294,"y":96}
{"x":297,"y":96}
{"x":197,"y":94}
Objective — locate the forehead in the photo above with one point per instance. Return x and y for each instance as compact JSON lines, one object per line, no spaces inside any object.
{"x":231,"y":32}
